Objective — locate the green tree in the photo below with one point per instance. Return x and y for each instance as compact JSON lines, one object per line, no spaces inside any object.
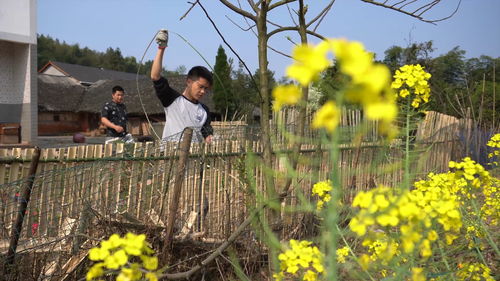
{"x":415,"y":53}
{"x":448,"y":80}
{"x":50,"y":49}
{"x":224,"y":100}
{"x":245,"y":92}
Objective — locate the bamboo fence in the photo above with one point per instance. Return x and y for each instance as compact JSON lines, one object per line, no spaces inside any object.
{"x":132,"y":182}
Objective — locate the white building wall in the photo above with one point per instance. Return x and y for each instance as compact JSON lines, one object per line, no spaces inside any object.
{"x":18,"y":66}
{"x":53,"y":71}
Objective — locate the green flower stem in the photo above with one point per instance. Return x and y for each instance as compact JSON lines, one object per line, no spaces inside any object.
{"x":443,"y":256}
{"x":352,"y":253}
{"x":406,"y":182}
{"x":488,"y":235}
{"x":332,"y":213}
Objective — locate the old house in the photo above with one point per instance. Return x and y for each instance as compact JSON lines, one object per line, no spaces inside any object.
{"x":71,"y":99}
{"x":84,"y":75}
{"x":59,"y":98}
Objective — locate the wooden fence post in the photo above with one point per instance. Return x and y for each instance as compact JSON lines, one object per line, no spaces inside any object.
{"x":179,"y":178}
{"x":25,"y":198}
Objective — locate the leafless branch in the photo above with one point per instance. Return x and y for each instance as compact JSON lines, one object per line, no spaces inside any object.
{"x":250,"y":27}
{"x":279,"y":52}
{"x":274,"y":24}
{"x":425,"y":7}
{"x":189,"y":10}
{"x":227,"y":44}
{"x":279,"y":3}
{"x":413,"y":1}
{"x":291,"y":41}
{"x":321,"y":16}
{"x":403,"y":7}
{"x":238,"y":10}
{"x":258,"y":3}
{"x":295,"y":28}
{"x":252,"y":5}
{"x":291,"y":15}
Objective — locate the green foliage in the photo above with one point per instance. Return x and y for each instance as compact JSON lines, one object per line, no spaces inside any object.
{"x":461,"y":87}
{"x":244,"y":90}
{"x":332,"y":80}
{"x":224,"y":99}
{"x":50,"y":49}
{"x":271,"y":80}
{"x":416,"y":53}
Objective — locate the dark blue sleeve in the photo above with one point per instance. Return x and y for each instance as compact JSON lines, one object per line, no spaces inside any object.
{"x":206,"y":129}
{"x":105,"y":110}
{"x":164,"y":92}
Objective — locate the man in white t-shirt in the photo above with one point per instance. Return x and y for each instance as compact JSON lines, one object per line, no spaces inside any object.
{"x":182,"y":110}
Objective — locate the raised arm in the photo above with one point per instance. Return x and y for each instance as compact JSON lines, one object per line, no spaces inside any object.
{"x":157,"y":65}
{"x":161,"y":40}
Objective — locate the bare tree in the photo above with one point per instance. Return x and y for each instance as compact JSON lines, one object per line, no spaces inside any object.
{"x":415,"y":8}
{"x":256,"y":15}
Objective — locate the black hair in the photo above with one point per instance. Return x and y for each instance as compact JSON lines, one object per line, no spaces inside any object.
{"x":117,"y":89}
{"x":200,"y":71}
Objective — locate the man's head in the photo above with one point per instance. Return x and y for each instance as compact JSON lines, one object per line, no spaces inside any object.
{"x":117,"y":94}
{"x":199,"y":81}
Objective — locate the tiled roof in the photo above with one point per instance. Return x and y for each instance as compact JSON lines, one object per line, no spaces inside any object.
{"x":88,"y":74}
{"x":56,"y":93}
{"x":59,"y":93}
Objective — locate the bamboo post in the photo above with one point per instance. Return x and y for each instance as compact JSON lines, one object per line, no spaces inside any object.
{"x":172,"y":210}
{"x":25,"y":198}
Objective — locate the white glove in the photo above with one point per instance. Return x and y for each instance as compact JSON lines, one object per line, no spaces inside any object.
{"x":162,"y":38}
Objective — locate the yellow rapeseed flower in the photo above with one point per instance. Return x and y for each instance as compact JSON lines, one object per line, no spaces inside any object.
{"x":114,"y":254}
{"x":342,"y":253}
{"x":151,"y":276}
{"x":322,"y":190}
{"x":300,"y":258}
{"x":150,"y":263}
{"x":381,"y":111}
{"x":309,"y":61}
{"x":286,"y":95}
{"x":95,"y":271}
{"x":412,"y":79}
{"x":417,"y":274}
{"x":354,"y":60}
{"x":116,"y":260}
{"x":327,"y":117}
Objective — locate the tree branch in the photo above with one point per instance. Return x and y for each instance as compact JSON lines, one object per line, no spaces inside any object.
{"x":252,"y":5}
{"x":189,"y":10}
{"x":279,"y":52}
{"x":321,"y":15}
{"x":250,"y":27}
{"x":231,"y":48}
{"x":290,"y":13}
{"x":418,"y":13}
{"x":279,"y":3}
{"x":238,"y":10}
{"x":294,"y":28}
{"x":216,"y":253}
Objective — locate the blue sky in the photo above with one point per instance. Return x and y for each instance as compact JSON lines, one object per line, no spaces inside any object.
{"x":130,"y":25}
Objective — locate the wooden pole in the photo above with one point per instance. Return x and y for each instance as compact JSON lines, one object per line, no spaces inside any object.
{"x":23,"y":205}
{"x":179,"y":178}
